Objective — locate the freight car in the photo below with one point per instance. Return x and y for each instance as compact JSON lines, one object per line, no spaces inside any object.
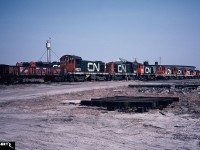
{"x":38,"y":64}
{"x":16,"y":74}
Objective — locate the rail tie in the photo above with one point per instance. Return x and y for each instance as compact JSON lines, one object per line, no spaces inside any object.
{"x":139,"y":104}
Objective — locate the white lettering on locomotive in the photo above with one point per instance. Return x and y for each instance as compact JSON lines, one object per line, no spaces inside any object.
{"x":169,"y":71}
{"x":21,"y":69}
{"x":55,"y":66}
{"x":179,"y":72}
{"x":92,"y":67}
{"x":121,"y":68}
{"x":147,"y":69}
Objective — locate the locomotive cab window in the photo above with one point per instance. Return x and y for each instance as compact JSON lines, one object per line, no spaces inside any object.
{"x":70,"y":60}
{"x":67,"y":59}
{"x":78,"y":61}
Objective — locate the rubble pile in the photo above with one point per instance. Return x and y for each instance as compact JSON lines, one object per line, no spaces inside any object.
{"x":184,"y":90}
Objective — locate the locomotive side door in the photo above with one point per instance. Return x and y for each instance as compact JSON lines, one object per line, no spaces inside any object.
{"x":78,"y":65}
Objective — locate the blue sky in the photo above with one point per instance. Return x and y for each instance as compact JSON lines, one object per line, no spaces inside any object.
{"x":101,"y":30}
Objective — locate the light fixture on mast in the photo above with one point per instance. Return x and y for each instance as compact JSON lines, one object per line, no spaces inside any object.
{"x":48,"y":46}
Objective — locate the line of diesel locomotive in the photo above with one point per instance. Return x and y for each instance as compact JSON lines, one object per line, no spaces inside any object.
{"x":74,"y":68}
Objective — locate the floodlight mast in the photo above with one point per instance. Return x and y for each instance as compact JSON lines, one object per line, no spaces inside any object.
{"x":160,"y":60}
{"x":48,"y":46}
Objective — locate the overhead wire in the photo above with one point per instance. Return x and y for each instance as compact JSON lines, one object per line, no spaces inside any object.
{"x":55,"y":55}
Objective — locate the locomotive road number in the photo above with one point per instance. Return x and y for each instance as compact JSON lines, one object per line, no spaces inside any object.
{"x":78,"y":69}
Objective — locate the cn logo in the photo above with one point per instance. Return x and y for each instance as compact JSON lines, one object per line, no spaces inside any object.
{"x":169,"y":71}
{"x":121,"y":68}
{"x":93,"y":67}
{"x":147,"y":70}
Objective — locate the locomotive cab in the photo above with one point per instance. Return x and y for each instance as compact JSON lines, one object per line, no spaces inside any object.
{"x":174,"y":71}
{"x":161,"y":70}
{"x":192,"y":72}
{"x":140,"y":69}
{"x":70,"y":63}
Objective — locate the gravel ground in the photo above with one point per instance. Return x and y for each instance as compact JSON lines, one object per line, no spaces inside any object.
{"x":27,"y":91}
{"x":48,"y":116}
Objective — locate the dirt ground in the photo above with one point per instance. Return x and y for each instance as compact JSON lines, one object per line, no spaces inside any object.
{"x":48,"y":116}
